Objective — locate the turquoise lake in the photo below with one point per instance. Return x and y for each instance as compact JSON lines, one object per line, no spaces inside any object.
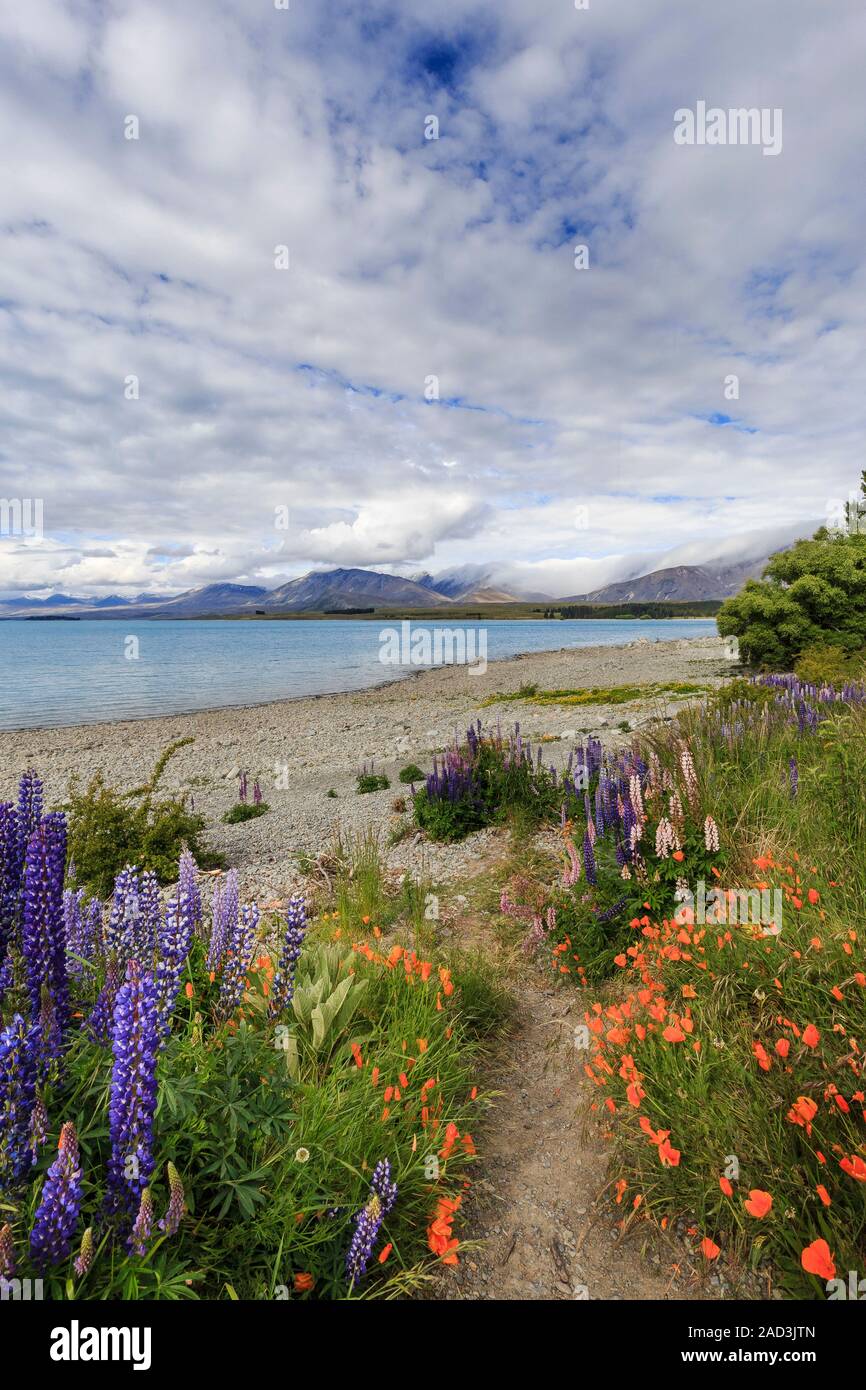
{"x":80,"y":672}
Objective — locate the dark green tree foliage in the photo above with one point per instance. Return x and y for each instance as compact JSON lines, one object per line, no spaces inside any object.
{"x":813,"y":595}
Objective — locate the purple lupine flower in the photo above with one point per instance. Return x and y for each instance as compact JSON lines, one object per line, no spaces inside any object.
{"x":124,"y":931}
{"x":283,"y":987}
{"x":242,"y":787}
{"x":132,"y":1100}
{"x":38,"y":1127}
{"x":43,"y":933}
{"x":7,"y":1253}
{"x":175,"y":1209}
{"x":19,"y":1055}
{"x":10,"y":874}
{"x":73,"y":926}
{"x":57,"y":1215}
{"x":175,"y":939}
{"x":140,"y":1234}
{"x":187,"y":888}
{"x":225,"y":917}
{"x":7,"y":975}
{"x":98,"y":1024}
{"x":794,"y":776}
{"x":368,"y":1221}
{"x":84,"y":1259}
{"x":150,"y":916}
{"x":29,"y":810}
{"x":238,"y":960}
{"x":91,"y":930}
{"x":257,"y":793}
{"x":589,"y":860}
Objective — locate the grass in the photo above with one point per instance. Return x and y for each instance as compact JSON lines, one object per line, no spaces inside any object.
{"x":598,"y":695}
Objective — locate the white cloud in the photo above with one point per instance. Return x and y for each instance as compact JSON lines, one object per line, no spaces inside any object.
{"x":411,"y":259}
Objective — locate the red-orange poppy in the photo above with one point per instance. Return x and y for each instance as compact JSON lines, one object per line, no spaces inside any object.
{"x":817,"y":1259}
{"x":758,"y":1203}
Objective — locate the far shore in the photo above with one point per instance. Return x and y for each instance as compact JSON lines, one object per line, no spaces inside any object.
{"x":302,"y":749}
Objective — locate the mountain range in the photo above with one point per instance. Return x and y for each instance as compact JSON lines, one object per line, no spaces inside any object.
{"x":339,"y":590}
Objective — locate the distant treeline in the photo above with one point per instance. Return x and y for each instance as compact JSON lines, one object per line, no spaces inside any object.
{"x":694,"y":608}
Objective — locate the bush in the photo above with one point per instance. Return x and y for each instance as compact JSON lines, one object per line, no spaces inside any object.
{"x":487,"y":781}
{"x":370,"y":781}
{"x":108,"y":829}
{"x":245,"y":810}
{"x":811,"y":595}
{"x":829,"y":665}
{"x":412,"y":773}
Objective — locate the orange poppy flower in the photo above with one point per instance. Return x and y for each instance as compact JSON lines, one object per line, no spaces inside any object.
{"x":726,"y":1187}
{"x":854,"y":1167}
{"x":189,"y":989}
{"x":670,"y":1157}
{"x":304,"y":1283}
{"x":709,"y":1249}
{"x":823,"y":1194}
{"x":817,"y":1259}
{"x":385,"y":1252}
{"x":811,"y":1036}
{"x":758,"y":1203}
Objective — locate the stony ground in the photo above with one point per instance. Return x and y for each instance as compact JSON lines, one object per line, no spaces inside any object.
{"x":301,"y":750}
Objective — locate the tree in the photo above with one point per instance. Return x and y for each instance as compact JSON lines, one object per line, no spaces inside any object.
{"x":811,"y":595}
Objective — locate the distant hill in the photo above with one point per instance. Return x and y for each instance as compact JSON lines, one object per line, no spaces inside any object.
{"x":679,"y":583}
{"x":213,"y":598}
{"x":349,"y":588}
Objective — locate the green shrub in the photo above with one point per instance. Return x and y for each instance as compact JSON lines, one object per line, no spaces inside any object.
{"x":830,"y":665}
{"x":412,"y":773}
{"x":369,"y":781}
{"x":811,"y":595}
{"x":245,"y":810}
{"x":109,"y":829}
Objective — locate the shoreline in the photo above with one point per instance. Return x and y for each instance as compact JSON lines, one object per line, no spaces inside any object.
{"x":304,"y":748}
{"x":412,"y":674}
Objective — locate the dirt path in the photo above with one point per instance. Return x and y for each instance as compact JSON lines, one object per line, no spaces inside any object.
{"x":541,"y":1213}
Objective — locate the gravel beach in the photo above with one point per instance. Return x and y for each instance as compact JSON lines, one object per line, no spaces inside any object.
{"x":302,"y":749}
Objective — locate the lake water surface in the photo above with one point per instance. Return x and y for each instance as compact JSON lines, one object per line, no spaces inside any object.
{"x":82,"y":672}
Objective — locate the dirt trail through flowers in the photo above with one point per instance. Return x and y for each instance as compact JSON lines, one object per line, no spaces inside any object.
{"x":541,"y":1208}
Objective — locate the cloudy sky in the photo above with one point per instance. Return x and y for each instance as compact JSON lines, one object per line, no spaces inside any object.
{"x":430,"y":380}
